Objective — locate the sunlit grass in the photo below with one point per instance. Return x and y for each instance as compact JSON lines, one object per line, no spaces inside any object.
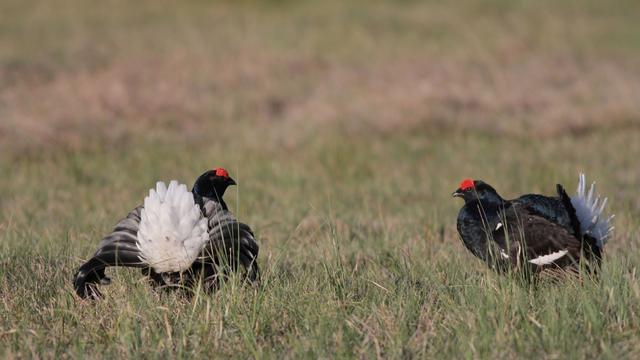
{"x":362,"y":264}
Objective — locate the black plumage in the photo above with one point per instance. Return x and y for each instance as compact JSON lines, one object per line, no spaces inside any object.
{"x":533,"y":232}
{"x":231,"y":243}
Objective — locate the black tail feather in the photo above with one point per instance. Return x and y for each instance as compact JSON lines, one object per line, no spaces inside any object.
{"x":589,"y":242}
{"x":91,"y":273}
{"x":566,"y":201}
{"x":232,"y":245}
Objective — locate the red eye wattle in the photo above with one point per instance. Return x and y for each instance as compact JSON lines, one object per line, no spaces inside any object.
{"x":221,"y":172}
{"x":467,"y":184}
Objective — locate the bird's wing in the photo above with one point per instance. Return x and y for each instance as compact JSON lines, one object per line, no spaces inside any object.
{"x":230,"y":243}
{"x":525,"y":237}
{"x":116,"y":249}
{"x":551,"y":208}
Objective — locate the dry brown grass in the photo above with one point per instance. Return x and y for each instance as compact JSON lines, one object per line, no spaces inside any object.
{"x":523,"y":71}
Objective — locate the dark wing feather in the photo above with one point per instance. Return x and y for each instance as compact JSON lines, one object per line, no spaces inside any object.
{"x":525,"y":236}
{"x":560,"y":210}
{"x":231,"y":243}
{"x":116,"y":249}
{"x":551,"y":208}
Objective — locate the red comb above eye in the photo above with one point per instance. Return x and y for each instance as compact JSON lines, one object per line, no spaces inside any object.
{"x":221,"y":172}
{"x":467,"y":184}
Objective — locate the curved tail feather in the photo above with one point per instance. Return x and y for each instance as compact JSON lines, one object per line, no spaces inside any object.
{"x":566,"y":202}
{"x":172,"y":228}
{"x":589,"y":241}
{"x":231,"y":243}
{"x":590,"y":212}
{"x":116,"y":249}
{"x":92,"y":273}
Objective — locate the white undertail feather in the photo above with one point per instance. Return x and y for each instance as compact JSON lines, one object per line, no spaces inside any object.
{"x":590,"y":212}
{"x":172,"y":229}
{"x":548,"y":259}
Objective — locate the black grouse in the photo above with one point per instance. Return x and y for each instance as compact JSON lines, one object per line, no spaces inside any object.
{"x":178,"y":237}
{"x":533,"y":232}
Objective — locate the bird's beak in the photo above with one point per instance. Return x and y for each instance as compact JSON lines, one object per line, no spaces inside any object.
{"x":457,"y":193}
{"x":230,"y":181}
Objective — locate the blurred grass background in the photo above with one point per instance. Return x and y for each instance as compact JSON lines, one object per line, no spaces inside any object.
{"x":347,"y":125}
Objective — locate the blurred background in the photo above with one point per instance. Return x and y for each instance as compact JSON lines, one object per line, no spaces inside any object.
{"x":79,"y":76}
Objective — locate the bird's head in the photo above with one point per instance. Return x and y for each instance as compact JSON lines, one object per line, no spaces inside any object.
{"x":213,"y":183}
{"x":473,"y":190}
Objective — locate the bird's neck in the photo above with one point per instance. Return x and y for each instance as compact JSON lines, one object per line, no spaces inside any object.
{"x":486,"y":206}
{"x":200,"y":200}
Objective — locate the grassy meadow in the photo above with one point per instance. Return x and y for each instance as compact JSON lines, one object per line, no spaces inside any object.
{"x":347,"y":125}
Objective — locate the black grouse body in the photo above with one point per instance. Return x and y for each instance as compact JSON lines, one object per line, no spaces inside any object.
{"x":228,"y":245}
{"x":533,"y":231}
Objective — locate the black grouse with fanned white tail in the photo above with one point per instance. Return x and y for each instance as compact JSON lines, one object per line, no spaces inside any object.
{"x":533,"y":232}
{"x":177,"y":237}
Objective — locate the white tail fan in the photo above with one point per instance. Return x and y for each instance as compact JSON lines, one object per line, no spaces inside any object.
{"x":172,"y":229}
{"x":589,"y":210}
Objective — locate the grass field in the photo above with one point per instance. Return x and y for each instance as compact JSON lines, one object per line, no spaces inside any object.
{"x":347,"y":126}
